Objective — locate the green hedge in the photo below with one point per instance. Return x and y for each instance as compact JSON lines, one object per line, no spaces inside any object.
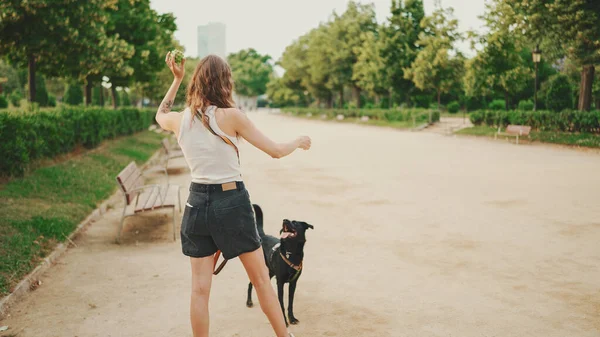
{"x":565,"y":121}
{"x":390,"y":115}
{"x":26,"y":136}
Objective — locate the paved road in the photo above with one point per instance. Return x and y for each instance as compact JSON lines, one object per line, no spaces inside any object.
{"x":416,"y":234}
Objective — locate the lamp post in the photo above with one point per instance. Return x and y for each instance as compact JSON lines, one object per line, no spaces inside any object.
{"x":537,"y":57}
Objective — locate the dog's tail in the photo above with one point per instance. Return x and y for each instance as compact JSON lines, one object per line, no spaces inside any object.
{"x":259,"y":220}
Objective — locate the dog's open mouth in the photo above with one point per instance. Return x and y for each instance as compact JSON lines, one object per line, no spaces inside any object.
{"x":288,"y":232}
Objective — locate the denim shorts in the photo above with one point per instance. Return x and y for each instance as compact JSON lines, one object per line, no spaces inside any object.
{"x":216,"y":219}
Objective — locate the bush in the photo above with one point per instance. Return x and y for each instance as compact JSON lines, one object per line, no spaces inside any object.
{"x":526,"y":105}
{"x":3,"y":102}
{"x":73,"y":95}
{"x":26,"y":136}
{"x":390,"y":115}
{"x":15,"y":98}
{"x":453,"y":107}
{"x":476,"y":117}
{"x":565,"y":121}
{"x":497,"y":104}
{"x":51,"y":101}
{"x":559,"y":94}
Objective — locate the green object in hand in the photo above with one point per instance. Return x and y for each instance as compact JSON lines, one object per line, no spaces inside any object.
{"x":177,"y":56}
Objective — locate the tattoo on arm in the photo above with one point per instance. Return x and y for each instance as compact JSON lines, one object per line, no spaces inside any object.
{"x":165,"y":107}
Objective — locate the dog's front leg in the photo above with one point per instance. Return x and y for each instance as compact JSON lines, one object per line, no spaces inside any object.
{"x":280,"y":294}
{"x":249,"y":303}
{"x":292,"y":290}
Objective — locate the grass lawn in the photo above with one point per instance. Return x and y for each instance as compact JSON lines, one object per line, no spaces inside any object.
{"x":44,"y":207}
{"x":574,"y":139}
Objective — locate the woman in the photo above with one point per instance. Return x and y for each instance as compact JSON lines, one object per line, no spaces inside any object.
{"x":218,"y":213}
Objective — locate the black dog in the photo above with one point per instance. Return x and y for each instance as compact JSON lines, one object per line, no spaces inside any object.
{"x":283,"y":257}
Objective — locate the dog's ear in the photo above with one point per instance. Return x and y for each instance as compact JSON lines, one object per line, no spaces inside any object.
{"x":307,"y":226}
{"x":282,"y":225}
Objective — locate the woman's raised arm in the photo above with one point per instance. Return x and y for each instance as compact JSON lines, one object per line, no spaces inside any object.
{"x":245,"y":128}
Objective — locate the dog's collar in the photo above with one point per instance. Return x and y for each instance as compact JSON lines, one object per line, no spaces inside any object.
{"x":297,"y":268}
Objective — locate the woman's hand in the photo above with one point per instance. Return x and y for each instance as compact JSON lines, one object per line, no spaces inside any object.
{"x":178,"y":70}
{"x":304,"y":142}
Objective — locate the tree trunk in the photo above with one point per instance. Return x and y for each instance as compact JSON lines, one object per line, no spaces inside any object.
{"x":356,"y":94}
{"x":506,"y":103}
{"x":341,"y":98}
{"x":88,"y":92}
{"x":585,"y":88}
{"x":101,"y":95}
{"x":377,"y":100}
{"x":439,"y":96}
{"x":407,"y":99}
{"x":390,"y":94}
{"x":31,"y":78}
{"x":113,"y":91}
{"x":330,"y":101}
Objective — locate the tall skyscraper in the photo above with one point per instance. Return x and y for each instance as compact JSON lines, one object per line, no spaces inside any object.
{"x":211,"y":40}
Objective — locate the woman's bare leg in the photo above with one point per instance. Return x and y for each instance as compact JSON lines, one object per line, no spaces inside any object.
{"x":254,"y":262}
{"x":202,"y":269}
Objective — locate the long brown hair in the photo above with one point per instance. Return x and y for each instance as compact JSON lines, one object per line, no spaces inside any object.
{"x":211,"y":84}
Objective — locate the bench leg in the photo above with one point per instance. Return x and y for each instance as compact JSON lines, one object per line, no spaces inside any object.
{"x":174,"y":226}
{"x":120,"y":230}
{"x":517,"y":139}
{"x":179,"y":199}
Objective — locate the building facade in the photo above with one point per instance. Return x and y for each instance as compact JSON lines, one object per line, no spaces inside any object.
{"x":211,"y":40}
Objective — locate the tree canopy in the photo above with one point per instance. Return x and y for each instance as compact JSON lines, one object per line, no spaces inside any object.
{"x":251,"y":72}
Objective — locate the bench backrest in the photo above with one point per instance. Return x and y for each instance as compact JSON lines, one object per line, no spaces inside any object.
{"x":129,"y":179}
{"x":521,"y":130}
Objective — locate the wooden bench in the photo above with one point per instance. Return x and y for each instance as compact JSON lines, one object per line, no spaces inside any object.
{"x":514,"y":131}
{"x":140,"y":198}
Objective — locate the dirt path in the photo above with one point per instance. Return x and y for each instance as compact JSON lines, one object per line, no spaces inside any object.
{"x":415,"y":235}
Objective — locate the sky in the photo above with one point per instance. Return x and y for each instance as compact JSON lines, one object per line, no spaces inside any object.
{"x":271,"y":25}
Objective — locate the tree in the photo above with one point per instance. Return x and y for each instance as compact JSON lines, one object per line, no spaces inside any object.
{"x":96,"y":92}
{"x":281,"y":95}
{"x":370,"y":71}
{"x":36,"y":34}
{"x":158,"y":85}
{"x":559,"y":94}
{"x":41,"y":94}
{"x":400,"y":48}
{"x":74,"y":94}
{"x":499,"y":64}
{"x":251,"y":72}
{"x":596,"y":92}
{"x":438,"y":65}
{"x":150,"y":36}
{"x":317,"y":55}
{"x":124,"y":98}
{"x":345,"y":43}
{"x":564,"y":27}
{"x":12,"y":78}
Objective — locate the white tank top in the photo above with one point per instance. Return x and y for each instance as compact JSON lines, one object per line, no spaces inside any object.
{"x":211,"y":160}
